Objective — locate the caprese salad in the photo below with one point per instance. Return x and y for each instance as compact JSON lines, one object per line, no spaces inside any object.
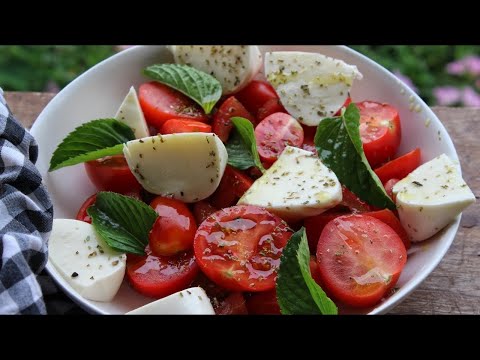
{"x":223,"y":189}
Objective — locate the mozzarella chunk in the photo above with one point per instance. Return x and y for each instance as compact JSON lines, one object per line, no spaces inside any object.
{"x":83,"y":259}
{"x":296,"y":186}
{"x":431,"y":196}
{"x":192,"y":301}
{"x":131,"y":114}
{"x":185,"y":166}
{"x":233,"y":66}
{"x":311,"y":86}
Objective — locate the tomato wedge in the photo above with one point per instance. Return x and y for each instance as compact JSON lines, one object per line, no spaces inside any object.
{"x":256,"y":94}
{"x":160,"y":276}
{"x":360,"y":259}
{"x":314,"y":226}
{"x":175,"y":126}
{"x":400,"y":167}
{"x":309,"y":138}
{"x":263,"y":303}
{"x":233,"y":304}
{"x":222,"y":125}
{"x":82,"y":213}
{"x":239,"y":248}
{"x":161,"y":103}
{"x":272,"y":106}
{"x":274,"y":133}
{"x":389,"y":218}
{"x":201,"y":210}
{"x":353,"y":202}
{"x":380,"y":131}
{"x":233,"y":185}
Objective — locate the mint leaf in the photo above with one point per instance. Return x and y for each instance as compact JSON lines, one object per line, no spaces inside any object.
{"x":91,"y":141}
{"x":197,"y":85}
{"x":122,"y":222}
{"x":340,"y":148}
{"x":242,"y":147}
{"x":297,"y":292}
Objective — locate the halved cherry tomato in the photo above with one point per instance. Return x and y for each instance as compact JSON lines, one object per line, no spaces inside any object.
{"x":112,"y":173}
{"x":400,"y":167}
{"x":82,"y":213}
{"x":233,"y":185}
{"x":389,"y":218}
{"x":274,"y":133}
{"x":263,"y":303}
{"x":389,"y":188}
{"x":272,"y":106}
{"x":345,"y":104}
{"x":174,"y":229}
{"x":309,"y":138}
{"x":161,"y":103}
{"x":202,"y":209}
{"x":222,"y":125}
{"x":314,"y":272}
{"x":255,"y":94}
{"x":233,"y":304}
{"x":174,"y":126}
{"x":353,"y":202}
{"x":360,"y":259}
{"x":314,"y":226}
{"x":160,"y":276}
{"x":239,"y":248}
{"x":380,"y":131}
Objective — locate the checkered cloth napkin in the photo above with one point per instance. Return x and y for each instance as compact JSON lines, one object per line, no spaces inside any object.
{"x":26,"y":215}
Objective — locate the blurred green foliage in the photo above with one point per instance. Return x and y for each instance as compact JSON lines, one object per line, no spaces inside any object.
{"x":33,"y":68}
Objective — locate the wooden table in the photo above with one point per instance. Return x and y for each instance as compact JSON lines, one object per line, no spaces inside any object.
{"x":454,"y":286}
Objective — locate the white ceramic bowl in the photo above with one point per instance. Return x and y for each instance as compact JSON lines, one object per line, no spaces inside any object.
{"x":98,"y":92}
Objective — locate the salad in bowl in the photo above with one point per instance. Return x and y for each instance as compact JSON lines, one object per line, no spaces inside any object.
{"x":240,"y":180}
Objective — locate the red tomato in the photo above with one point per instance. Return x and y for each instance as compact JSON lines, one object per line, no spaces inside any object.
{"x":272,"y":106}
{"x":263,"y":303}
{"x":309,"y":138}
{"x":353,"y":202}
{"x":161,"y":103}
{"x":174,"y":229}
{"x":389,"y":218}
{"x":233,"y":304}
{"x":389,"y":188}
{"x":222,"y":125}
{"x":274,"y":133}
{"x":314,"y":271}
{"x":255,"y":94}
{"x":112,"y":173}
{"x":82,"y":213}
{"x":314,"y":226}
{"x":233,"y":185}
{"x":380,"y":131}
{"x":345,"y":104}
{"x":160,"y":276}
{"x":239,"y":248}
{"x":360,"y":259}
{"x":174,"y":126}
{"x":202,"y":210}
{"x":399,"y":167}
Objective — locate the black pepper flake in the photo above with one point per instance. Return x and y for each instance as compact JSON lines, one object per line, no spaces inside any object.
{"x":417,"y":183}
{"x":181,"y":294}
{"x":74,"y":274}
{"x":181,"y":193}
{"x":115,"y":263}
{"x":91,"y":278}
{"x":141,"y":141}
{"x":76,"y":252}
{"x":189,"y":293}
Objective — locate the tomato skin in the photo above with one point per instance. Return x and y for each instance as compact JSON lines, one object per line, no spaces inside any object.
{"x":314,"y":226}
{"x":255,"y":94}
{"x":233,"y":304}
{"x":201,"y":210}
{"x":274,"y":133}
{"x":239,"y":248}
{"x":388,"y":217}
{"x":161,"y":103}
{"x":174,"y":229}
{"x":82,"y":212}
{"x":222,"y":125}
{"x":272,"y":106}
{"x":389,"y":188}
{"x":380,"y":131}
{"x":400,"y":167}
{"x":371,"y":244}
{"x":353,"y":202}
{"x":263,"y":303}
{"x":233,"y":185}
{"x":112,"y":173}
{"x":309,"y":138}
{"x":160,"y":276}
{"x":175,"y":126}
{"x":314,"y":271}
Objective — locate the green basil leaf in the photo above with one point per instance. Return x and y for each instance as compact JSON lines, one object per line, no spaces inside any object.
{"x":297,"y":292}
{"x":242,"y":147}
{"x":197,"y":85}
{"x":340,"y":148}
{"x":91,"y":141}
{"x":122,"y":221}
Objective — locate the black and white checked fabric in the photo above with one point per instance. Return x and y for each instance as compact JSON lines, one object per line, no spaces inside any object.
{"x":26,"y":216}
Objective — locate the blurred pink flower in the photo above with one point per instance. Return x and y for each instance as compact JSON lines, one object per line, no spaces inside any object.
{"x":477,"y":83}
{"x":470,"y":97}
{"x":406,"y":80}
{"x":456,"y":67}
{"x":447,"y":95}
{"x":472,"y":64}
